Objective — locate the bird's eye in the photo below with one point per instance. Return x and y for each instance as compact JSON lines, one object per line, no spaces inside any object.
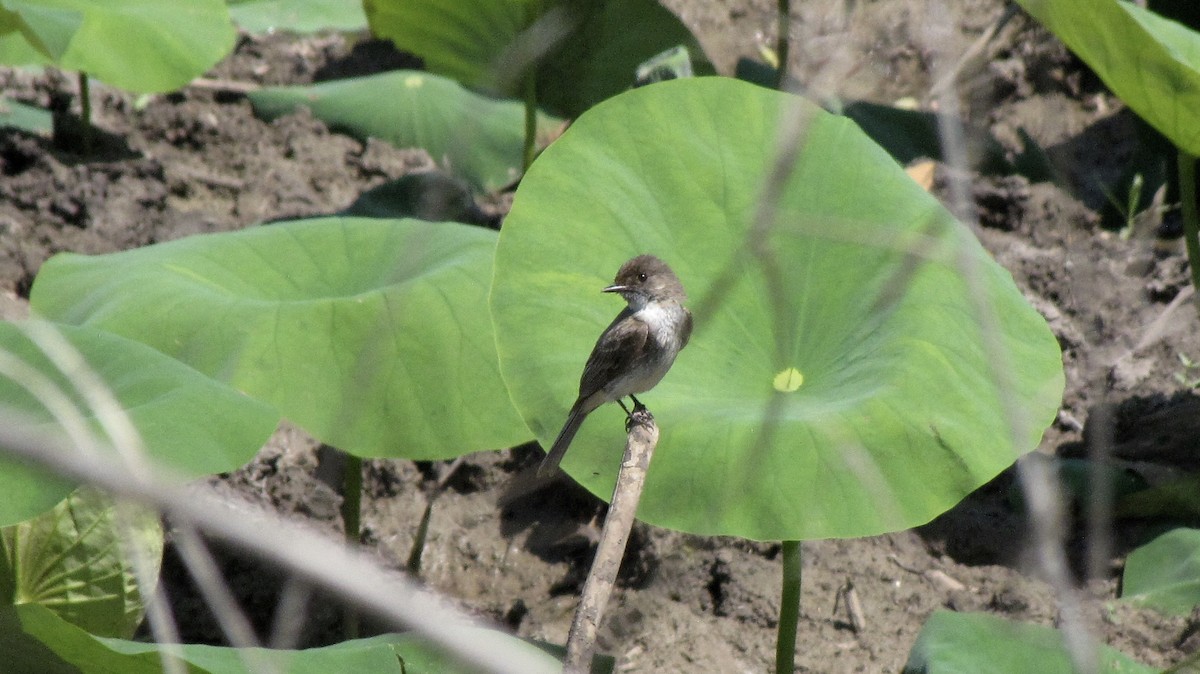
{"x":641,"y":277}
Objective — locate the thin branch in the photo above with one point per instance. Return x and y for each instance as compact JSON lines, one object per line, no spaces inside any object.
{"x":639,"y":447}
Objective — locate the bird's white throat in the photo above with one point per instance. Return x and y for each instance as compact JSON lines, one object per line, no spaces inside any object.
{"x":664,"y":319}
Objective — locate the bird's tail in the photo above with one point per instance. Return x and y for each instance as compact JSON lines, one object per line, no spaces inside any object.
{"x":563,"y":441}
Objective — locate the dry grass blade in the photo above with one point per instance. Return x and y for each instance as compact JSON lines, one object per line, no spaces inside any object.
{"x":1040,"y":486}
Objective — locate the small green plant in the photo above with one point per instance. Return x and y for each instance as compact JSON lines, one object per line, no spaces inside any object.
{"x":1130,"y":207}
{"x":1188,"y":376}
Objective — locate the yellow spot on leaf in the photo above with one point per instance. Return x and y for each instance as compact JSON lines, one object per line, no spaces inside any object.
{"x":414,"y":81}
{"x":788,"y":380}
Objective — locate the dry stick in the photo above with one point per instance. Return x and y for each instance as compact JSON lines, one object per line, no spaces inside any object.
{"x":352,"y":574}
{"x":639,"y":447}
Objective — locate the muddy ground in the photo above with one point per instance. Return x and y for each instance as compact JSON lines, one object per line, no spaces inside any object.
{"x":200,"y":161}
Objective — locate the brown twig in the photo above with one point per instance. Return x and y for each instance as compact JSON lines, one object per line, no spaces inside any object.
{"x":639,"y":447}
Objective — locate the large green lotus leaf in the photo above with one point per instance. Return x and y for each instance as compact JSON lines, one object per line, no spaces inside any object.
{"x":898,"y":403}
{"x":1165,"y":573}
{"x":74,"y":561}
{"x":371,"y":334}
{"x":139,"y":45}
{"x":298,"y":16}
{"x":171,"y":405}
{"x":33,"y":639}
{"x":951,"y":642}
{"x":399,"y":653}
{"x":478,"y":138}
{"x":598,"y":57}
{"x":17,"y":115}
{"x":456,"y":39}
{"x":15,"y":49}
{"x":1151,"y":62}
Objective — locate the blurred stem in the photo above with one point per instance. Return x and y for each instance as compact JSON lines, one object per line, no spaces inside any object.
{"x":789,"y":609}
{"x":781,"y":42}
{"x":352,"y":482}
{"x":85,"y":112}
{"x":530,"y":117}
{"x":1187,"y":208}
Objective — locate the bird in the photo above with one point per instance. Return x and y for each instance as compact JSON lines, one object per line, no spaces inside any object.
{"x":635,"y":351}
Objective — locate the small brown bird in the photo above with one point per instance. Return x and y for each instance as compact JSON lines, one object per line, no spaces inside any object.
{"x":635,"y":351}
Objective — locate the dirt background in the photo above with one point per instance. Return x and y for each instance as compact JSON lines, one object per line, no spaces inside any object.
{"x":200,"y":161}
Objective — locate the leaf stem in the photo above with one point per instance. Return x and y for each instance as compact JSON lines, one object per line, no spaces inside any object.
{"x":352,"y":483}
{"x":789,"y":609}
{"x":781,"y":41}
{"x":85,"y":113}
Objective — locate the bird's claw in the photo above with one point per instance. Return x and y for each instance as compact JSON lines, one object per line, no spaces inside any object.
{"x":640,"y":417}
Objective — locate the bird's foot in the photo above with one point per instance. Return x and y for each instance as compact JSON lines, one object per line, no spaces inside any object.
{"x":639,"y":417}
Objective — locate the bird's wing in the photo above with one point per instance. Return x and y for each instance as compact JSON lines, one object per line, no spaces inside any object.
{"x":685,"y":332}
{"x":625,"y":337}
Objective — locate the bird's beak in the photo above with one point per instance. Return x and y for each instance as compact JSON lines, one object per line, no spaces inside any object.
{"x":614,"y":289}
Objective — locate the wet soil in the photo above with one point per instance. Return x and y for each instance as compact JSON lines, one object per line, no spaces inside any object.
{"x":200,"y":161}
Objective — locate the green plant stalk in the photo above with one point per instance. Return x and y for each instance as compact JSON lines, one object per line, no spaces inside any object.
{"x":85,"y":112}
{"x":530,"y":117}
{"x":781,"y":42}
{"x":418,"y":549}
{"x":789,"y":609}
{"x":1187,"y":208}
{"x":352,"y":483}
